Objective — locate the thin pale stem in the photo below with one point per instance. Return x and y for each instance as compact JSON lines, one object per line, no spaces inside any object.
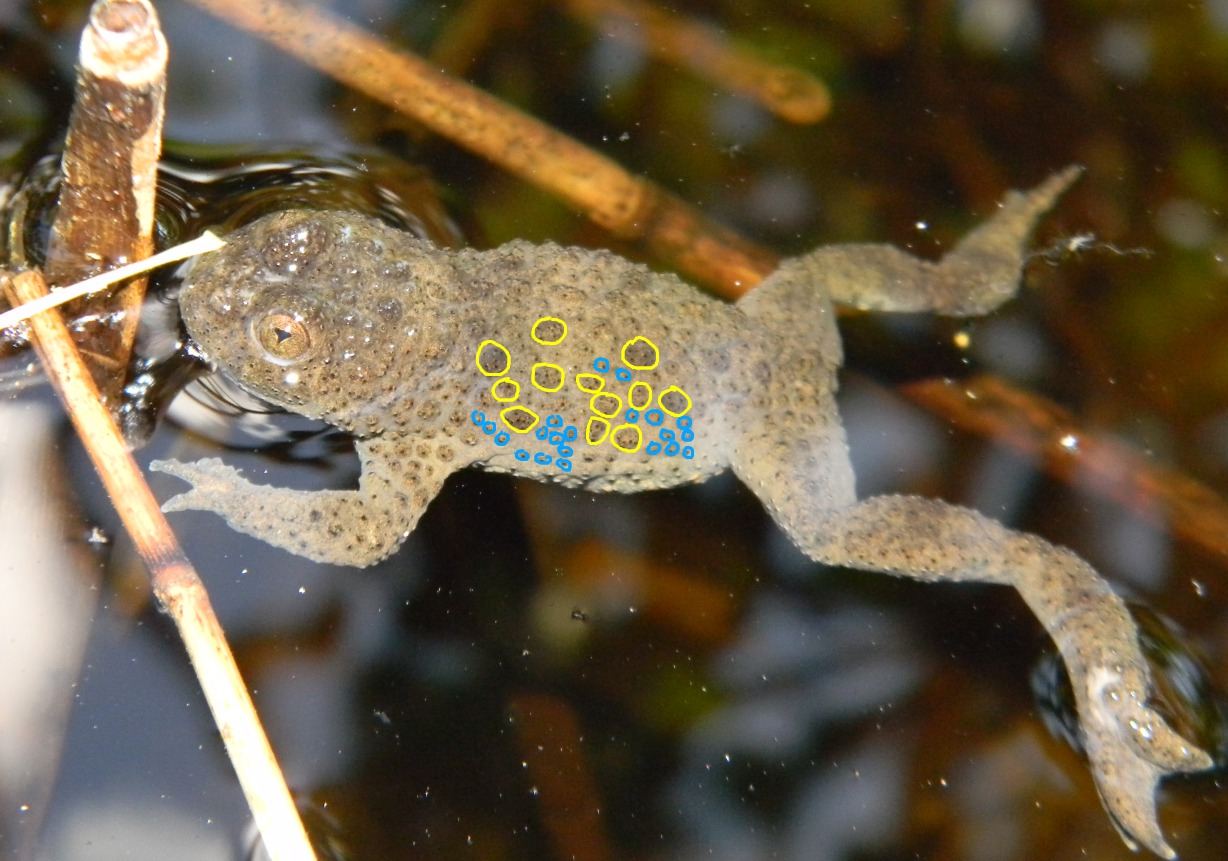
{"x":206,"y":242}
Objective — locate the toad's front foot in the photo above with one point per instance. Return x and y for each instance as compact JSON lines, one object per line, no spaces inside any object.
{"x":340,"y":527}
{"x":1131,"y":748}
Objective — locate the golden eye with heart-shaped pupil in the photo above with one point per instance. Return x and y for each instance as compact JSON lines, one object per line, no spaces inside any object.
{"x":283,"y":337}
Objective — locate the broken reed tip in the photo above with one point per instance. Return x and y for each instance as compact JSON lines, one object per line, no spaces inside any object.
{"x":124,"y":41}
{"x":121,"y":16}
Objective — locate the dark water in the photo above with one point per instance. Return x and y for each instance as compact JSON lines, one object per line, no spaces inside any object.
{"x":544,"y":673}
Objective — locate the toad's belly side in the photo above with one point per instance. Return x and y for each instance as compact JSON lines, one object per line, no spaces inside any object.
{"x":604,"y":401}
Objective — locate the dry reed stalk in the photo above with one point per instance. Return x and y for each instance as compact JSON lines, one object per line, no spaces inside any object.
{"x":175,"y":582}
{"x":207,"y":241}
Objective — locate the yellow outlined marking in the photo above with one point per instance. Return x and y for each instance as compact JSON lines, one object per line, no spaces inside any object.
{"x":639,"y":437}
{"x":541,"y":320}
{"x":506,"y":384}
{"x":590,"y":383}
{"x":602,"y":425}
{"x":507,"y":359}
{"x":504,"y":415}
{"x":605,"y":398}
{"x":656,"y":354}
{"x":661,"y":401}
{"x":634,"y":402}
{"x":562,"y":376}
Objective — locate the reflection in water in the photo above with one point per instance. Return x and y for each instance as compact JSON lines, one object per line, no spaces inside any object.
{"x":763,"y":775}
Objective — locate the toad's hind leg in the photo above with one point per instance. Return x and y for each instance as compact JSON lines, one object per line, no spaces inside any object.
{"x":789,"y":449}
{"x":1129,"y":745}
{"x":977,"y":275}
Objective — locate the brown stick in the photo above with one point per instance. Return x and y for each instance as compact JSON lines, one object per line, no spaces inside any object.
{"x":175,"y":582}
{"x":105,"y":214}
{"x":1040,"y":429}
{"x":627,"y":205}
{"x":788,"y":92}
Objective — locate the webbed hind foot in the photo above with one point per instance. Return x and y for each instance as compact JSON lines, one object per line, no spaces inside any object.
{"x":1131,"y":748}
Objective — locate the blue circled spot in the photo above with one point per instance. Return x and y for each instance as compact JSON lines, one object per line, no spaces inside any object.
{"x":563,"y":464}
{"x":688,"y":435}
{"x":654,"y":417}
{"x":684,"y":421}
{"x":554,"y":420}
{"x":521,"y":454}
{"x":501,"y":438}
{"x":671,"y":449}
{"x":565,"y":451}
{"x":542,"y":433}
{"x":571,"y":433}
{"x":654,"y":447}
{"x":633,"y":415}
{"x":479,"y":417}
{"x":622,"y":375}
{"x":601,"y":365}
{"x":489,"y":427}
{"x":688,"y":452}
{"x":556,"y":438}
{"x":542,"y":458}
{"x":667,"y":435}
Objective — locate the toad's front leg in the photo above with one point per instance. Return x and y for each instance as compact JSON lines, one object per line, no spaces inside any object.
{"x":342,"y":527}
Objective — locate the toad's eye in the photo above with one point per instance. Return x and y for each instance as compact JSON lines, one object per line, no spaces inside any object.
{"x":284,"y":338}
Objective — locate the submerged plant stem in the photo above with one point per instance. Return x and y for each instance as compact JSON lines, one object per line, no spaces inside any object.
{"x":175,"y":582}
{"x":552,"y":745}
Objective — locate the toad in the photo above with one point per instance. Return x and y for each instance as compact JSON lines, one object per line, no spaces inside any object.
{"x":581,"y":368}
